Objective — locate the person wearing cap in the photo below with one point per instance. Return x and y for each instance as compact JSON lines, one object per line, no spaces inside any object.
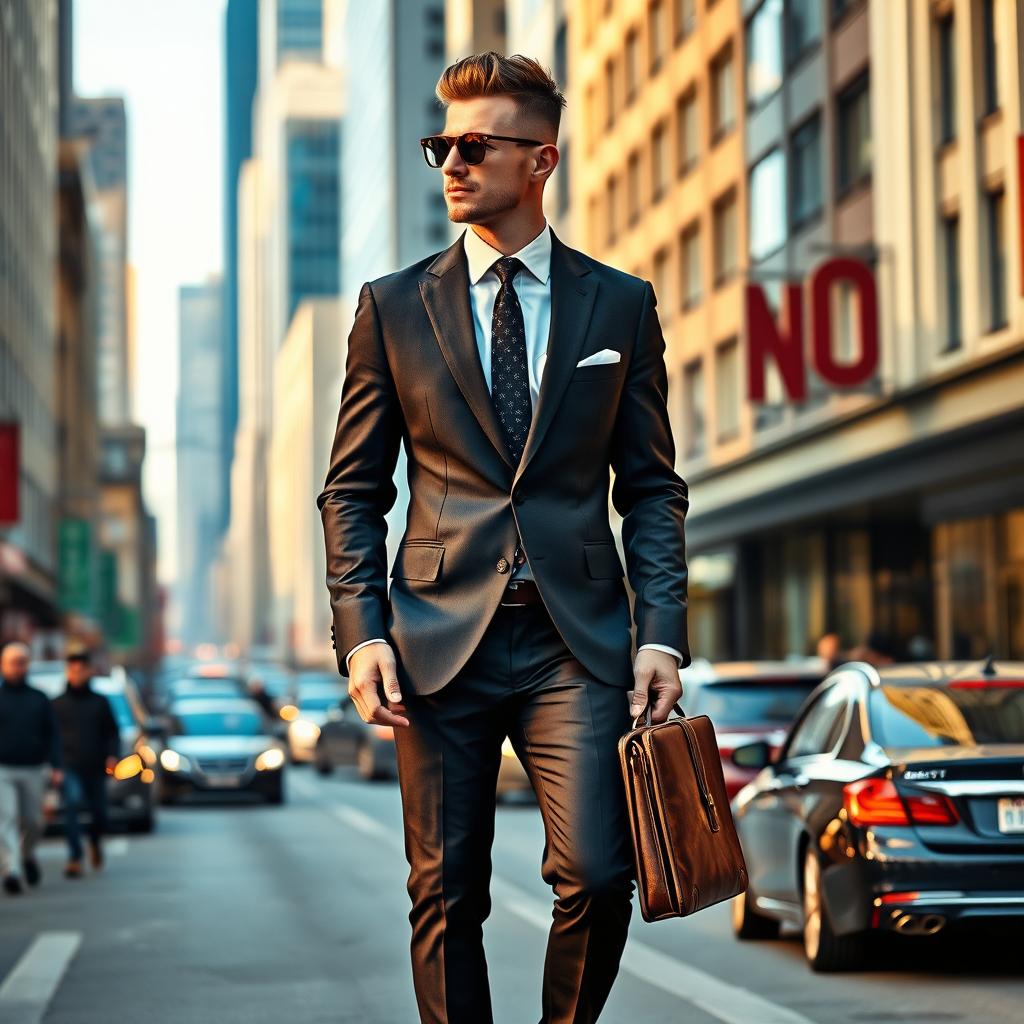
{"x":28,"y":744}
{"x":90,"y":743}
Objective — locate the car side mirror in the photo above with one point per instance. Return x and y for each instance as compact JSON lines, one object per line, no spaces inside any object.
{"x":755,"y":756}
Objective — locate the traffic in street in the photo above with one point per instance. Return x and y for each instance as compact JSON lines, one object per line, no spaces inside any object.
{"x":236,"y":910}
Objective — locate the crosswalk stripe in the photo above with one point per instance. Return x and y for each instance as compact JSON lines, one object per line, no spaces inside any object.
{"x":27,"y":990}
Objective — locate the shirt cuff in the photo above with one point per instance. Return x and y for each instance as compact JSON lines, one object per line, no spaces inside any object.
{"x":378,"y":640}
{"x":662,"y":647}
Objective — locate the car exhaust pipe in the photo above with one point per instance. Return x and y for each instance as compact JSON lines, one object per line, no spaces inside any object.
{"x":932,"y":923}
{"x":919,"y":924}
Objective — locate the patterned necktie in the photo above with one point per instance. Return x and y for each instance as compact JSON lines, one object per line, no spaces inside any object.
{"x":510,"y":378}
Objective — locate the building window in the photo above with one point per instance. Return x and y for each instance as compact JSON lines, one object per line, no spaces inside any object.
{"x":951,"y":282}
{"x":632,"y":65}
{"x":767,"y":205}
{"x":726,"y":238}
{"x":854,"y":130}
{"x":590,"y":117}
{"x":947,"y":79}
{"x":764,"y":52}
{"x":659,"y":161}
{"x":686,"y":18}
{"x":687,"y":133}
{"x":563,"y":179}
{"x":840,"y":8}
{"x":989,"y":57}
{"x":562,"y":55}
{"x":806,"y":186}
{"x":657,"y":35}
{"x":723,"y":95}
{"x":695,"y":440}
{"x":661,"y":280}
{"x":689,"y":266}
{"x":609,"y":94}
{"x":804,"y":28}
{"x":727,"y":391}
{"x":633,"y":188}
{"x":995,"y":209}
{"x":611,"y":211}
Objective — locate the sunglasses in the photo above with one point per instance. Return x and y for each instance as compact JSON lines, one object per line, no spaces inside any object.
{"x":472,"y":146}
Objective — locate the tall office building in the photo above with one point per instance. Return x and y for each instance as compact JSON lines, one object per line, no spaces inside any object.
{"x":103,"y":123}
{"x":289,"y":30}
{"x":241,"y":56}
{"x":28,"y":357}
{"x":200,"y":484}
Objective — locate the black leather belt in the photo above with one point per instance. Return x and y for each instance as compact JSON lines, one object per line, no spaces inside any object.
{"x":519,"y":593}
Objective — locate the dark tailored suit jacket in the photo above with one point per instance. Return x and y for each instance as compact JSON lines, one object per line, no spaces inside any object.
{"x":413,"y":375}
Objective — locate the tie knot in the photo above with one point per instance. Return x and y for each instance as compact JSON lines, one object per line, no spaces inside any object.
{"x":506,"y":268}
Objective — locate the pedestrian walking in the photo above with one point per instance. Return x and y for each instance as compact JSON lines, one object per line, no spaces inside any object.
{"x":518,"y":372}
{"x":90,"y":743}
{"x":29,"y":755}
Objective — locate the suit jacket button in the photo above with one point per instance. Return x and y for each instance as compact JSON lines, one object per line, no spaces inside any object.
{"x":502,"y":565}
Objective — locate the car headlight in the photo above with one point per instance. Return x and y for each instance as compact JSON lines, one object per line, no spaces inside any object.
{"x":304,"y":731}
{"x":270,"y":760}
{"x":173,"y":761}
{"x":128,"y":767}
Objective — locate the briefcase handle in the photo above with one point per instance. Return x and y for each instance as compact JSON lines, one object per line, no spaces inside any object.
{"x":646,"y":715}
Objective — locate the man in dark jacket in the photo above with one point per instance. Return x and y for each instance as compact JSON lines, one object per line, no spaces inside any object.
{"x":90,"y":744}
{"x":28,"y":742}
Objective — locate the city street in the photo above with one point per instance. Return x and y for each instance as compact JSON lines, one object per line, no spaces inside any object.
{"x":256,"y":914}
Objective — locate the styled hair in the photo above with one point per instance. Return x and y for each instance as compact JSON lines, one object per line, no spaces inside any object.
{"x":493,"y":74}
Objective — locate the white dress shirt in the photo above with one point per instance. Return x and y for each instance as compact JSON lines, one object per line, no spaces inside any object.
{"x":533,"y":287}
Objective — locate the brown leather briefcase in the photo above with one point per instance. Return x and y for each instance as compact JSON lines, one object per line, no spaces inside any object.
{"x":687,"y":853}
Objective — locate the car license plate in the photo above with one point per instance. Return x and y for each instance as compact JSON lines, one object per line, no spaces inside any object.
{"x":223,"y":781}
{"x":1011,"y":814}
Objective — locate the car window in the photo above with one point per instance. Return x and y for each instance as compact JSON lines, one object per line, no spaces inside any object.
{"x":821,"y":727}
{"x":219,"y":723}
{"x":755,"y":703}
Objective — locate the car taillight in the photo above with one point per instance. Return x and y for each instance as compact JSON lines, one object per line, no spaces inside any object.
{"x":877,"y":802}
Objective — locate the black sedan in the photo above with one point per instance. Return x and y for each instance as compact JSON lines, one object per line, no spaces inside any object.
{"x":896,"y":803}
{"x":224,"y":746}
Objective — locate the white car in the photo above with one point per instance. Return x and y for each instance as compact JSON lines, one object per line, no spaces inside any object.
{"x":307,"y":715}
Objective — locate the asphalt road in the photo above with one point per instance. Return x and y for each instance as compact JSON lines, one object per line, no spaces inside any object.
{"x":298,"y":914}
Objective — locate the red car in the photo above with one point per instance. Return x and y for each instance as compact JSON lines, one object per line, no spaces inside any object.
{"x":748,"y":701}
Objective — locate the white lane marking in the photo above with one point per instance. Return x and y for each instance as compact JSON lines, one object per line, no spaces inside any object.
{"x":728,"y":1003}
{"x":28,"y":989}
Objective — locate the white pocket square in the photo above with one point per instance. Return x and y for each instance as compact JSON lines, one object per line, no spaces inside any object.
{"x":606,"y":355}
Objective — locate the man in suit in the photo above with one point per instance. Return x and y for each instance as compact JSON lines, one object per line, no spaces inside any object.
{"x":517,"y":372}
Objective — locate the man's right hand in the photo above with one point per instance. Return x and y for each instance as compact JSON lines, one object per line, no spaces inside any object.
{"x":371,"y":673}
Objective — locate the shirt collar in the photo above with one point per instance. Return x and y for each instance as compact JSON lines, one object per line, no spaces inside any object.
{"x":536,"y":255}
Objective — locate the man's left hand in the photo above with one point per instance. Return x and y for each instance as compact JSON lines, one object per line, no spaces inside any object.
{"x":655,"y":678}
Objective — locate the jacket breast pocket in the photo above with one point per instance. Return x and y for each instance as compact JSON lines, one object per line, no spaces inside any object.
{"x":418,"y":560}
{"x":597,"y":371}
{"x":602,"y":560}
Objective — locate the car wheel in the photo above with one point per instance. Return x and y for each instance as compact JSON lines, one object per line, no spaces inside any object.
{"x":366,"y":762}
{"x":825,"y":951}
{"x":747,"y":923}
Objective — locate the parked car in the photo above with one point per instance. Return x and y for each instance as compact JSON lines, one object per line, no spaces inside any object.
{"x":224,"y":746}
{"x":307,"y":714}
{"x":895,"y":804}
{"x":748,"y":701}
{"x":133,"y":788}
{"x":346,"y":739}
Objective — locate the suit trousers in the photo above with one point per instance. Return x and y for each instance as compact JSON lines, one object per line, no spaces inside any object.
{"x":523,"y":682}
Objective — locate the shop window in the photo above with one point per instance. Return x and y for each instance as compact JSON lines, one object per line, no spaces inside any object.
{"x":768,"y":205}
{"x":947,"y":78}
{"x":690,"y":269}
{"x":727,"y":391}
{"x":764,"y":53}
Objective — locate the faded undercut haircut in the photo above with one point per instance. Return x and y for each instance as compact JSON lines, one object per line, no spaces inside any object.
{"x":493,"y":74}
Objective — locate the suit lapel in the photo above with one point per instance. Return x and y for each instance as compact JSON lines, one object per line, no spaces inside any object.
{"x":445,"y":292}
